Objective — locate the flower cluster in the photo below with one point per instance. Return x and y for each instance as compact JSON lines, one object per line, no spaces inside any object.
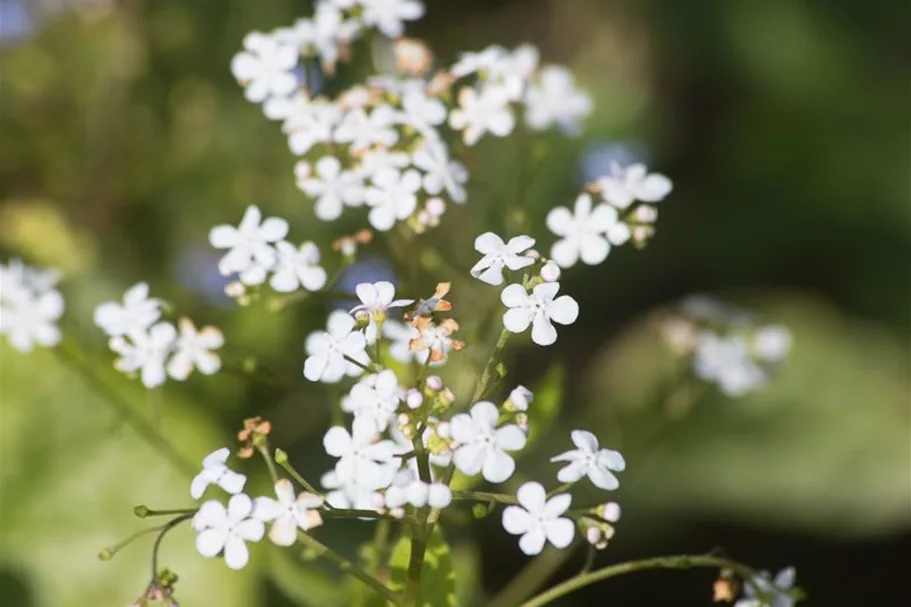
{"x":30,"y":306}
{"x":153,"y":348}
{"x":726,"y":345}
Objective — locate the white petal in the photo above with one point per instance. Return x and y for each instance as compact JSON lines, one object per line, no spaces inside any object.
{"x":485,"y":414}
{"x":532,"y":496}
{"x":563,"y":310}
{"x":462,"y":428}
{"x":519,"y":244}
{"x":315,"y":367}
{"x":602,"y":479}
{"x":560,"y":532}
{"x":557,"y":505}
{"x":611,"y":460}
{"x":488,"y":243}
{"x":594,"y":249}
{"x":514,"y":296}
{"x":572,"y":473}
{"x":560,"y":221}
{"x":284,"y":490}
{"x":585,"y":440}
{"x":250,"y":529}
{"x":198,"y":486}
{"x":516,"y":520}
{"x":517,"y":320}
{"x":470,"y":458}
{"x":283,"y":531}
{"x":210,"y":542}
{"x":498,"y":466}
{"x":543,"y":332}
{"x":532,"y":542}
{"x":654,"y":188}
{"x":236,"y":553}
{"x":239,"y":507}
{"x":565,"y":252}
{"x":232,"y":482}
{"x":385,"y":292}
{"x":223,"y":237}
{"x":510,"y":438}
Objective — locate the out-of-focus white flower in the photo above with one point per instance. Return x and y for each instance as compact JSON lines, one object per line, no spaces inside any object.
{"x":281,"y":108}
{"x":250,"y":253}
{"x":772,"y":343}
{"x":400,"y":336}
{"x":760,"y":591}
{"x":297,"y":267}
{"x":474,"y":62}
{"x":479,"y":113}
{"x":310,"y":124}
{"x":389,"y":16}
{"x":326,"y":33}
{"x":29,"y":306}
{"x":364,"y":131}
{"x":422,"y":112}
{"x":288,"y":513}
{"x":327,"y":350}
{"x":499,"y":255}
{"x":376,"y":397}
{"x":216,"y":472}
{"x":349,"y":495}
{"x":362,"y":460}
{"x":333,"y":188}
{"x":441,"y":173}
{"x":726,"y":361}
{"x":137,"y":313}
{"x":377,"y":297}
{"x":482,"y":446}
{"x":392,"y":196}
{"x":588,"y":459}
{"x":265,"y":67}
{"x":539,"y":520}
{"x":538,"y":309}
{"x":195,"y":349}
{"x":380,"y":160}
{"x":406,"y":489}
{"x":146,"y":352}
{"x":631,"y":183}
{"x":227,"y":530}
{"x":553,"y":99}
{"x":586,"y":232}
{"x":520,"y":398}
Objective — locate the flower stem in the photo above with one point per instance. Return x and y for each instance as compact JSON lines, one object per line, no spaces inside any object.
{"x":484,"y":496}
{"x":358,"y":363}
{"x":273,"y":473}
{"x":164,"y":531}
{"x":346,"y":566}
{"x":662,"y":562}
{"x":146,"y":430}
{"x":420,"y":530}
{"x":487,"y":375}
{"x":287,"y":467}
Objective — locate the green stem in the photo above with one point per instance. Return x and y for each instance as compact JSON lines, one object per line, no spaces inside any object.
{"x":487,"y":375}
{"x":164,"y":531}
{"x":662,"y":562}
{"x":273,"y":473}
{"x":358,"y":363}
{"x":147,"y":431}
{"x":346,"y":566}
{"x":287,"y":467}
{"x":340,"y":513}
{"x":420,"y":530}
{"x":485,"y":496}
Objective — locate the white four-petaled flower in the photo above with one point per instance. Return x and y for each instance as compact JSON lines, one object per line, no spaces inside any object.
{"x":760,"y":591}
{"x":554,"y":99}
{"x":441,"y":173}
{"x":250,"y":252}
{"x":538,"y":309}
{"x":586,"y":233}
{"x":376,"y":397}
{"x":216,"y":472}
{"x":482,"y":446}
{"x":146,"y":352}
{"x":588,"y":459}
{"x":29,"y":306}
{"x":388,"y":15}
{"x":333,"y":188}
{"x":297,"y":267}
{"x":377,"y":297}
{"x":195,"y":349}
{"x":288,"y":512}
{"x":482,"y":112}
{"x":227,"y":530}
{"x":392,"y":196}
{"x":363,"y":461}
{"x":265,"y":67}
{"x":539,"y":520}
{"x":327,"y":350}
{"x":137,"y":313}
{"x":499,"y":255}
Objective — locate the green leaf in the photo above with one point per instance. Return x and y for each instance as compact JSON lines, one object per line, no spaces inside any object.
{"x":437,"y":577}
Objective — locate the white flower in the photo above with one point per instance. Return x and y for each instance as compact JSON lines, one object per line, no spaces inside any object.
{"x":137,"y":313}
{"x":554,"y":99}
{"x":772,"y":343}
{"x":393,"y":196}
{"x":28,"y":318}
{"x":584,"y":232}
{"x":760,"y":591}
{"x":327,"y":350}
{"x":376,"y":298}
{"x":250,"y":253}
{"x":591,"y":461}
{"x":364,"y":132}
{"x":422,"y":112}
{"x":537,"y":519}
{"x":538,"y":309}
{"x":379,"y":160}
{"x":333,"y":188}
{"x":226,"y":530}
{"x":145,"y":351}
{"x":297,"y":268}
{"x":410,"y":490}
{"x":364,"y":461}
{"x":194,"y":349}
{"x":631,"y":183}
{"x":726,"y":360}
{"x":482,"y":446}
{"x":376,"y":397}
{"x":388,"y":15}
{"x":499,"y":255}
{"x":473,"y":62}
{"x":288,"y":512}
{"x":441,"y":173}
{"x":400,"y":336}
{"x":216,"y":472}
{"x":479,"y":113}
{"x":266,"y":67}
{"x":326,"y":32}
{"x":281,"y":108}
{"x":520,"y":398}
{"x":349,"y":495}
{"x":311,"y":124}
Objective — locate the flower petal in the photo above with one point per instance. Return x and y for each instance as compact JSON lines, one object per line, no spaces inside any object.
{"x":532,"y":496}
{"x":516,"y":520}
{"x":498,"y":466}
{"x":533,"y":542}
{"x":560,"y":221}
{"x":283,"y":531}
{"x":485,"y":414}
{"x":337,"y":441}
{"x":489,"y":243}
{"x":511,"y":438}
{"x":557,"y":505}
{"x":210,"y":542}
{"x":563,"y":310}
{"x":517,"y":320}
{"x":565,"y":252}
{"x":236,"y":553}
{"x":543,"y":332}
{"x":585,"y":440}
{"x":560,"y":532}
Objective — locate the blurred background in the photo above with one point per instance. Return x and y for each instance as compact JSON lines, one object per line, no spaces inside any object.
{"x":784,"y":126}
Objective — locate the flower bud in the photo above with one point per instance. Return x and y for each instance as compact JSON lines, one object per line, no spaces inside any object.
{"x":646,"y":214}
{"x":522,"y":422}
{"x":281,"y":457}
{"x":414,"y":399}
{"x":435,"y":207}
{"x":550,"y":272}
{"x":412,"y":57}
{"x":532,"y":253}
{"x":593,"y":536}
{"x":610,"y":511}
{"x":443,"y":430}
{"x":434,"y":382}
{"x":447,"y":397}
{"x":519,"y":399}
{"x":235,"y":289}
{"x":141,"y":511}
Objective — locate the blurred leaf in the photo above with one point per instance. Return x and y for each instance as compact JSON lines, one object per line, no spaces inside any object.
{"x":302,"y":582}
{"x":823,"y":448}
{"x":437,"y":578}
{"x":543,"y":410}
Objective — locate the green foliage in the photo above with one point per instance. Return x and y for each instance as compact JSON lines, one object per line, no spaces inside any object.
{"x":543,"y":411}
{"x":438,"y":575}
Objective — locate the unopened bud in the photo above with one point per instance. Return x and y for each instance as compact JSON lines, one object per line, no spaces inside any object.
{"x":281,"y":457}
{"x":532,"y":253}
{"x":106,"y":554}
{"x":235,"y":289}
{"x":435,"y":206}
{"x":519,"y":399}
{"x":646,"y":214}
{"x":397,"y":512}
{"x":434,"y":382}
{"x":412,"y":57}
{"x":443,"y":430}
{"x":550,"y":272}
{"x":302,"y":170}
{"x":414,"y":399}
{"x":593,"y":536}
{"x":610,"y":512}
{"x":141,"y":511}
{"x":447,"y":397}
